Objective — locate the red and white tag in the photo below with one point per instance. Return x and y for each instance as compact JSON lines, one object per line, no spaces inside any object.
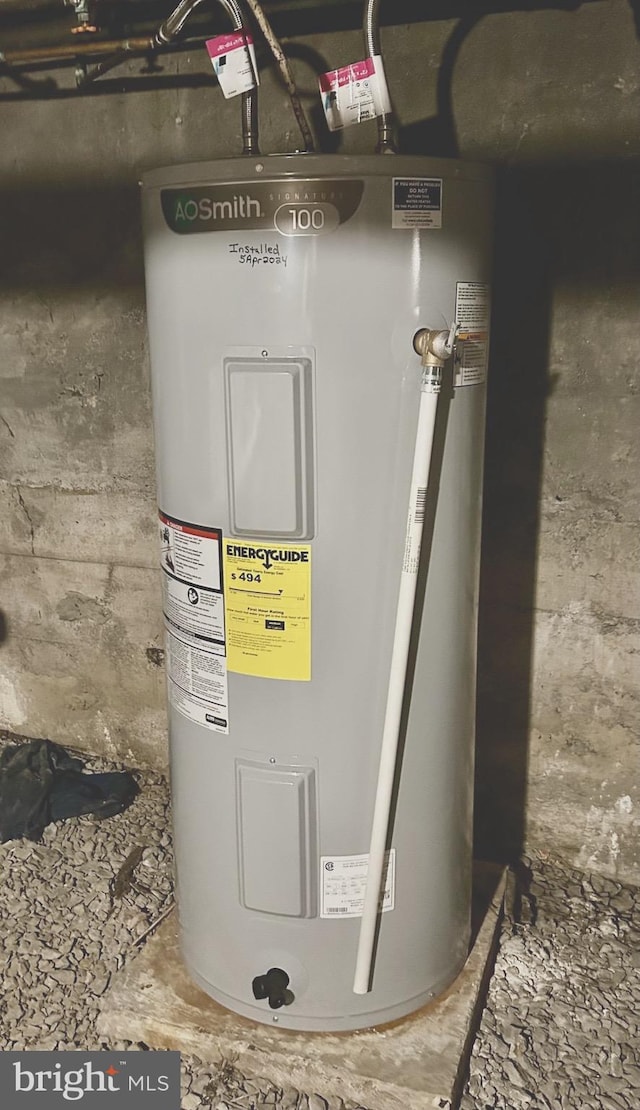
{"x":234,"y":61}
{"x":354,"y":93}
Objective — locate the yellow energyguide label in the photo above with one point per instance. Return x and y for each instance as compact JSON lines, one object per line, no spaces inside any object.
{"x":267,"y":605}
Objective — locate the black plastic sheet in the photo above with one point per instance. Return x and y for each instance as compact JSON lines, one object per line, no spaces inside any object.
{"x":40,"y":782}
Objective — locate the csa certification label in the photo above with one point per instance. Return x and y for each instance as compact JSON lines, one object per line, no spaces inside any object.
{"x":193,"y":606}
{"x":344,"y":881}
{"x":417,"y":202}
{"x":472,"y":315}
{"x":268,"y":609}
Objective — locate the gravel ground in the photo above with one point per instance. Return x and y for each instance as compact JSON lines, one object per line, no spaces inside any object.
{"x":62,"y":932}
{"x":560,"y":1029}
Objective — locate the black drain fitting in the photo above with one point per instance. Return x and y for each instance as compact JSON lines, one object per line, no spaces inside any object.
{"x":273,"y":986}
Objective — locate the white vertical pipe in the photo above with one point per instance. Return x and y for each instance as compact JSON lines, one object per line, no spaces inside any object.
{"x":429,"y":390}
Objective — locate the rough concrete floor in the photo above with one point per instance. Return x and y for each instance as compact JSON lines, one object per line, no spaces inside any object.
{"x":560,"y":1029}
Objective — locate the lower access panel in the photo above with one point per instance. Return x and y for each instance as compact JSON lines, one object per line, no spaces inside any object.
{"x":276,"y":815}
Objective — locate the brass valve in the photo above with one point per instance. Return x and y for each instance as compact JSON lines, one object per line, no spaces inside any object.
{"x":435,"y":345}
{"x":85,"y":15}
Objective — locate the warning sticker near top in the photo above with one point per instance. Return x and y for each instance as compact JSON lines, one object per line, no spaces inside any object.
{"x":192,"y":580}
{"x":472,"y":348}
{"x":190,"y":552}
{"x":417,"y":202}
{"x":193,"y":605}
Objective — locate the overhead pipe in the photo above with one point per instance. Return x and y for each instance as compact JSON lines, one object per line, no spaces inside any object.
{"x":113,"y":53}
{"x":118,"y":51}
{"x":38,"y":55}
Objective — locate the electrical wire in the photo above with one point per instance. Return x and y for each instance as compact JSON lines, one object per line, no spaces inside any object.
{"x":285,"y":71}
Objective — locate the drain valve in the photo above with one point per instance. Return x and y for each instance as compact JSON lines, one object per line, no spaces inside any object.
{"x":273,"y":986}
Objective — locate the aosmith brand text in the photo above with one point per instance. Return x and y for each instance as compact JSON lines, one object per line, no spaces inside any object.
{"x":239,"y":207}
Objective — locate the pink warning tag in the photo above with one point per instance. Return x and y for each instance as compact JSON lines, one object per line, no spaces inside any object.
{"x":234,"y":61}
{"x":354,"y":93}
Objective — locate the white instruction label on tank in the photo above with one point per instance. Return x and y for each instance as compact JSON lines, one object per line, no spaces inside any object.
{"x":354,"y":93}
{"x":191,"y":561}
{"x":194,"y":609}
{"x":193,"y":606}
{"x":417,"y":202}
{"x":233,"y":58}
{"x":191,"y":552}
{"x":472,"y":345}
{"x":197,"y":681}
{"x":344,"y":880}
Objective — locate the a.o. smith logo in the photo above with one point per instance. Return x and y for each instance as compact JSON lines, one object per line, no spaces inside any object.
{"x":293,"y":208}
{"x":241,"y":206}
{"x":120,"y":1081}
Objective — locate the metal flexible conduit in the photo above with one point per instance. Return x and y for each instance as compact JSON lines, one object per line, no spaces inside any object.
{"x":371,"y":32}
{"x":171,"y":28}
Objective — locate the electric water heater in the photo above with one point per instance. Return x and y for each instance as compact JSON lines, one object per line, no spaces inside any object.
{"x":284,"y":294}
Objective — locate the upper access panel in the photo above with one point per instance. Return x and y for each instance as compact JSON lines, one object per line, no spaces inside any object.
{"x":270,"y":445}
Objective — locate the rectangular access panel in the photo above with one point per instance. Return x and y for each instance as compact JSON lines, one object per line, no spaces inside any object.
{"x":270,"y":446}
{"x":276,"y":832}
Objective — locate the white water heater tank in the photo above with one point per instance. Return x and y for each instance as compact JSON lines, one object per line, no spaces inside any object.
{"x":284,"y":294}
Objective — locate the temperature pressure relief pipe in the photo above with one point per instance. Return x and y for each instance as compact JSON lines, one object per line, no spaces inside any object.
{"x":435,"y":347}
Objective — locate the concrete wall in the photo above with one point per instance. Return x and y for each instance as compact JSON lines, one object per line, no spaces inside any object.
{"x":551,"y":97}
